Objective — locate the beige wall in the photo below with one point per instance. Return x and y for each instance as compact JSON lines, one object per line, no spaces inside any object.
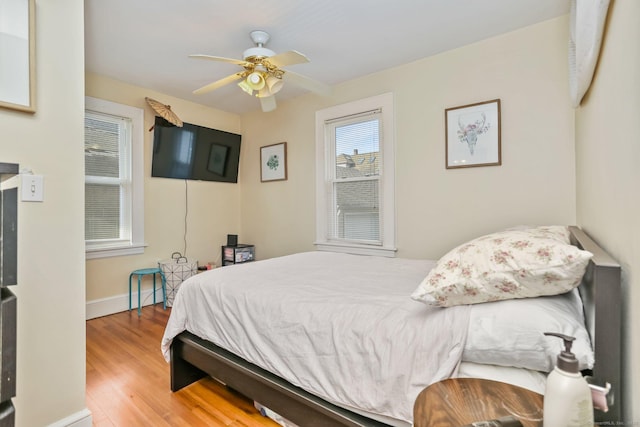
{"x":213,"y":209}
{"x":51,"y":292}
{"x":436,"y":208}
{"x":608,"y":151}
{"x":526,"y":69}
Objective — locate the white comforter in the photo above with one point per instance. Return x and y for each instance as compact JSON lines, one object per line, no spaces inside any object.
{"x":342,"y":327}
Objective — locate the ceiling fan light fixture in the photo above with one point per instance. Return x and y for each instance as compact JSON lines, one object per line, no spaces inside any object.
{"x":274,"y":84}
{"x":245,"y":87}
{"x":255,"y":80}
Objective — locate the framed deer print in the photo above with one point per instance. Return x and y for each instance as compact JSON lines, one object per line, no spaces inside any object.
{"x":472,"y":135}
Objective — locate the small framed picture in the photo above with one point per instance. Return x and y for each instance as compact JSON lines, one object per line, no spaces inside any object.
{"x":472,"y":135}
{"x":273,"y":162}
{"x":17,"y":55}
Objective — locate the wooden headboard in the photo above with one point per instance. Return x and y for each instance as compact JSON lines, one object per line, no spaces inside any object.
{"x":601,"y":295}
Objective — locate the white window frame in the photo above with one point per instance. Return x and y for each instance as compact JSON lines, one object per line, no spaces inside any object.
{"x":135,"y":206}
{"x":325,"y":164}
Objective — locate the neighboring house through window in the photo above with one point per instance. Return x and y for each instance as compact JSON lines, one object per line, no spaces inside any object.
{"x":355,"y":177}
{"x":114,"y":199}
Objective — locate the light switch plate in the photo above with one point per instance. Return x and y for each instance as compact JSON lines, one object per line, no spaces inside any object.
{"x":32,"y":188}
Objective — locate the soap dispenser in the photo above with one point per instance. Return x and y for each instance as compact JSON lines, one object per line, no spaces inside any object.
{"x":567,"y":397}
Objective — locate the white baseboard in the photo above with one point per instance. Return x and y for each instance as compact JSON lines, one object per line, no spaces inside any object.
{"x":119,"y":303}
{"x":79,"y":419}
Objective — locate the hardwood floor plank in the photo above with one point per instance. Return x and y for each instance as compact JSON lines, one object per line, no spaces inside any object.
{"x":128,"y":381}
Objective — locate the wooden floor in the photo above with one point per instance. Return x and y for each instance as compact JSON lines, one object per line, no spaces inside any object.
{"x":128,"y":379}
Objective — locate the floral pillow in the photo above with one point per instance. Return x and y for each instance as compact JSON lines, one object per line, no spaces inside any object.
{"x":517,"y":263}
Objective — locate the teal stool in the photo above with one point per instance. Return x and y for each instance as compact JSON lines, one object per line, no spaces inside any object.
{"x":142,"y":272}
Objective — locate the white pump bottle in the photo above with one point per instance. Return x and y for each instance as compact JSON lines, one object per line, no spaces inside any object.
{"x":567,"y":397}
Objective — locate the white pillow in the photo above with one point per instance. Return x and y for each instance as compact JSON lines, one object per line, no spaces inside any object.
{"x":516,"y":263}
{"x":511,"y":333}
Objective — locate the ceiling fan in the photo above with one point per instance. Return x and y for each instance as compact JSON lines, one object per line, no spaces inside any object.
{"x":262,"y":72}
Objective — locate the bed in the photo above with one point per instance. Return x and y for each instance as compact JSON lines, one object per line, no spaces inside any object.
{"x":231,"y":324}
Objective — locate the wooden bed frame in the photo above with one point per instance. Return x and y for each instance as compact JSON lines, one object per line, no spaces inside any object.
{"x":193,"y":358}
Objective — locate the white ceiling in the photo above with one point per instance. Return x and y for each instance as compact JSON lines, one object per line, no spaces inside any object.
{"x":147,"y":42}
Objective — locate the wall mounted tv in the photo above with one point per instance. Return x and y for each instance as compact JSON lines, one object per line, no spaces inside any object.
{"x":194,"y":152}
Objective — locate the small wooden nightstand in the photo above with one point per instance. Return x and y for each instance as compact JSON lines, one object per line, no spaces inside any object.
{"x":460,"y":401}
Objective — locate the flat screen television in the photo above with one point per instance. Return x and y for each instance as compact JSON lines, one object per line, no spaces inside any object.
{"x":194,"y":152}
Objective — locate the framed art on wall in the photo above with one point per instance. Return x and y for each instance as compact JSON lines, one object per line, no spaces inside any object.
{"x":273,"y":162}
{"x":17,"y":55}
{"x":472,"y":135}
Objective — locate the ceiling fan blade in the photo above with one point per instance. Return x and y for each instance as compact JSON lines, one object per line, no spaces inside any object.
{"x":306,"y":83}
{"x":291,"y":57}
{"x":217,"y":84}
{"x":268,"y":103}
{"x":219,"y":58}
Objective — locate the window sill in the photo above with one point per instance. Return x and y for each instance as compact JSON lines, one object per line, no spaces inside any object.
{"x":113,"y":251}
{"x":356,"y":249}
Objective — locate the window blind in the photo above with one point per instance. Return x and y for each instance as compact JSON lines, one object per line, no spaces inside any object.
{"x":355,"y":213}
{"x":107,"y":180}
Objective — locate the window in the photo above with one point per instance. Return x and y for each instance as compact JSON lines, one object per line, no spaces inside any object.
{"x":355,"y":177}
{"x":114,"y":200}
